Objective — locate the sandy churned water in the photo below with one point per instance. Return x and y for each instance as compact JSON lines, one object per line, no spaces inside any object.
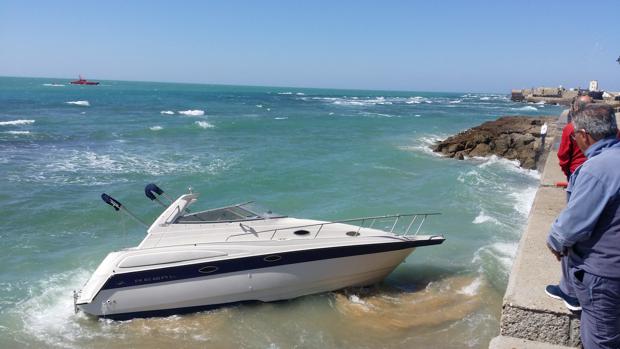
{"x":371,"y":317}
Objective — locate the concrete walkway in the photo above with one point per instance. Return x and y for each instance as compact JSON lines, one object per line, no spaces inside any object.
{"x":531,"y":319}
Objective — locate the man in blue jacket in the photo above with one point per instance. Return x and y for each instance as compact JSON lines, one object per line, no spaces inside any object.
{"x":587,"y":231}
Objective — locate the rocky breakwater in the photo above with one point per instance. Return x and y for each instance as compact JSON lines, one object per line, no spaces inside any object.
{"x":511,"y":137}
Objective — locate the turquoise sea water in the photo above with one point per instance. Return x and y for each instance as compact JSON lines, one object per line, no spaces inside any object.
{"x":314,"y":153}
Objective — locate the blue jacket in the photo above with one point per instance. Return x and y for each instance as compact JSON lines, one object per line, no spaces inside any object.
{"x":589,"y":227}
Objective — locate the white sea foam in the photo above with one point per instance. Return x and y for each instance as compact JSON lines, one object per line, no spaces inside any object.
{"x":456,"y":101}
{"x":485,"y":98}
{"x":259,"y":105}
{"x":484,"y":218}
{"x":502,"y":252}
{"x":540,"y":103}
{"x":358,"y":101}
{"x":526,"y":108}
{"x":16,"y":122}
{"x":156,"y":128}
{"x":53,"y":85}
{"x":285,"y":93}
{"x":523,"y":200}
{"x":380,"y":115}
{"x":18,"y":132}
{"x":167,"y":112}
{"x":281,"y":118}
{"x":48,"y":313}
{"x":195,"y":112}
{"x":80,"y":103}
{"x":416,"y":100}
{"x":471,"y":289}
{"x":62,"y":166}
{"x":300,"y":94}
{"x":424,"y":144}
{"x":512,"y":165}
{"x":204,"y":124}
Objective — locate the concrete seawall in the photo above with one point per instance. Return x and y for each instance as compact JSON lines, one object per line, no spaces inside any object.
{"x":530,"y":319}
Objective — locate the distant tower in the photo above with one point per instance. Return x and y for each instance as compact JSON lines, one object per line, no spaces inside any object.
{"x":593,"y":85}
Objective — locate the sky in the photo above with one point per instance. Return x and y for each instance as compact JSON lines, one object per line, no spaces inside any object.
{"x":460,"y":46}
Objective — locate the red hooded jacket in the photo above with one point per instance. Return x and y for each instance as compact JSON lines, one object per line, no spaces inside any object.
{"x":569,"y":153}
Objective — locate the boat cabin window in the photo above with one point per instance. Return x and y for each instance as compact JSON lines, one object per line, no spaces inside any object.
{"x":243,"y":212}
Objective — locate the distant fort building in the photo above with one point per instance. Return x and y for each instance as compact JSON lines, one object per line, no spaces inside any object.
{"x":560,"y":95}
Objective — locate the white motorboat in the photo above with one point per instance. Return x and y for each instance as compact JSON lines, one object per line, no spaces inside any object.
{"x":194,"y":261}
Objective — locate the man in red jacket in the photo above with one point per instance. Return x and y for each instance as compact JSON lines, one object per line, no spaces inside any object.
{"x":569,"y":154}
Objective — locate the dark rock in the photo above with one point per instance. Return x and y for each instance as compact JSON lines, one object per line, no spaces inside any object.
{"x":513,"y":137}
{"x":482,"y":149}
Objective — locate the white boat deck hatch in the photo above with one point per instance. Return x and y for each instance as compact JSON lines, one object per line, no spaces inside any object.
{"x":167,"y":257}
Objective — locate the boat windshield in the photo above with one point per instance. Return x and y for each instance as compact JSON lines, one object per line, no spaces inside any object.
{"x":241,"y":212}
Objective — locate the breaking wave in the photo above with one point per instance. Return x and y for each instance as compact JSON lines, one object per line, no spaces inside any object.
{"x":80,"y":103}
{"x":167,"y":112}
{"x":425,"y":143}
{"x":484,"y":218}
{"x":524,"y":200}
{"x":204,"y":124}
{"x":526,"y":108}
{"x":195,"y":112}
{"x":156,"y":128}
{"x":417,"y":100}
{"x":18,"y":132}
{"x":502,"y":252}
{"x":53,"y":85}
{"x":16,"y":122}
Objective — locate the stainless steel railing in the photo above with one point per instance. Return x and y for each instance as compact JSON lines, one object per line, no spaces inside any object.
{"x":410,"y":218}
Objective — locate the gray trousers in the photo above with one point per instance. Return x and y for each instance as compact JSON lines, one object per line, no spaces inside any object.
{"x":600,"y":316}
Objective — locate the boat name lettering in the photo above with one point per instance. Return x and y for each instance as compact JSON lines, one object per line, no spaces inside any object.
{"x":154,"y":279}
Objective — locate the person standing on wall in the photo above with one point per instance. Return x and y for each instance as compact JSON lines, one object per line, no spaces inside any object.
{"x":587,"y":231}
{"x":543,"y":135}
{"x":569,"y":154}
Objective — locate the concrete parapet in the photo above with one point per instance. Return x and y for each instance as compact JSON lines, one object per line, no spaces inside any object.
{"x":527,"y":312}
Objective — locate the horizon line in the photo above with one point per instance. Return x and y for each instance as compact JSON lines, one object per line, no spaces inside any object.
{"x":251,"y":85}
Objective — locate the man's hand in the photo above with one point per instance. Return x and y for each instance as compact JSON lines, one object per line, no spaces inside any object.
{"x":557,"y":254}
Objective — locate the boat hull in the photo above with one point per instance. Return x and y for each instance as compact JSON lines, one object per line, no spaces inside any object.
{"x":266,"y":284}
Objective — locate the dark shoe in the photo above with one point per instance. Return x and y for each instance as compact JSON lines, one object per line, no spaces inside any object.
{"x":571,"y":303}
